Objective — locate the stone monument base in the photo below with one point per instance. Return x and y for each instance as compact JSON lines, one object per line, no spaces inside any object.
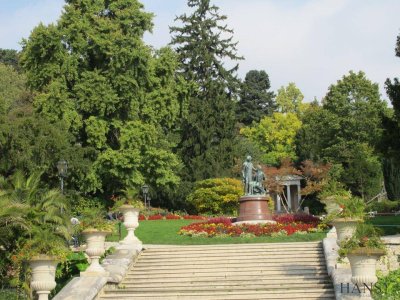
{"x":254,"y":209}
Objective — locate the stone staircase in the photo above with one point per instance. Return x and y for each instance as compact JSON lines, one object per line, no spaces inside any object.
{"x":240,"y":271}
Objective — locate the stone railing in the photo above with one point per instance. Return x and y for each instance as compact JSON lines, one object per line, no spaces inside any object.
{"x":341,"y":272}
{"x":88,"y":287}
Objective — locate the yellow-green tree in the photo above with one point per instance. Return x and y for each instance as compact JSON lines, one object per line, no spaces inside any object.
{"x":216,"y":196}
{"x":289,"y":99}
{"x":275,"y":136}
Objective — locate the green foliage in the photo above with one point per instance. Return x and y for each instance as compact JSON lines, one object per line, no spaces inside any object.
{"x":256,"y":101}
{"x":346,"y":131}
{"x":289,"y":99}
{"x":94,"y":218}
{"x":365,"y":239}
{"x":275,"y":136}
{"x":9,"y":57}
{"x":341,"y":204}
{"x":384,"y":206}
{"x":216,"y":196}
{"x":120,"y":100}
{"x":12,"y":88}
{"x":204,"y":44}
{"x":387,"y":287}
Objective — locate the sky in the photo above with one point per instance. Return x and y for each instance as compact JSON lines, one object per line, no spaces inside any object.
{"x":312,"y":43}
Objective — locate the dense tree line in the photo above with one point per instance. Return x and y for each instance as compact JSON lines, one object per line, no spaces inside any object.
{"x":89,"y":90}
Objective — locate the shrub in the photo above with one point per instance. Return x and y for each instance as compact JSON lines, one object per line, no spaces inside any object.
{"x":216,"y":196}
{"x":385,"y":206}
{"x":387,"y":287}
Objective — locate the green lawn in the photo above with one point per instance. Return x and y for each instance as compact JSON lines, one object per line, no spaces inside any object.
{"x":166,"y":232}
{"x":393,"y":221}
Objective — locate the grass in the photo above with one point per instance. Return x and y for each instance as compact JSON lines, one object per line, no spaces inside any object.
{"x":165,"y":232}
{"x":391,"y":224}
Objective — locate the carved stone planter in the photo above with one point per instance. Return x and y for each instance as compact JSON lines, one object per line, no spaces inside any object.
{"x":95,"y":249}
{"x":131,"y":222}
{"x":43,"y":275}
{"x":345,"y":228}
{"x":363,"y":265}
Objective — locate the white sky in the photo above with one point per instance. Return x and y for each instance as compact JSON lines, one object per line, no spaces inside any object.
{"x":310,"y":42}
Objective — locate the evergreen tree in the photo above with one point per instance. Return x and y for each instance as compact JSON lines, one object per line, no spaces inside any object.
{"x":256,"y":101}
{"x":203,"y":43}
{"x":92,"y":71}
{"x":390,"y":144}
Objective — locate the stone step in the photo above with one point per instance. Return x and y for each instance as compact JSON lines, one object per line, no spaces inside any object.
{"x":213,"y":272}
{"x":232,"y":278}
{"x":207,"y":273}
{"x":230,"y":260}
{"x":161,"y":251}
{"x":306,"y":245}
{"x":260,"y":284}
{"x":304,"y":294}
{"x":227,"y":266}
{"x":244,"y":256}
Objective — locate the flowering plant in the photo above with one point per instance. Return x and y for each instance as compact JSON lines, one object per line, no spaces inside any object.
{"x":43,"y":242}
{"x":223,"y":226}
{"x":129,"y":197}
{"x":93,"y":219}
{"x":366,"y":239}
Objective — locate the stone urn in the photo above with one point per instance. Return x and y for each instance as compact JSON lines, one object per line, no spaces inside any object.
{"x":131,"y":222}
{"x":43,"y":275}
{"x":345,"y":228}
{"x":95,"y":240}
{"x":363,"y":265}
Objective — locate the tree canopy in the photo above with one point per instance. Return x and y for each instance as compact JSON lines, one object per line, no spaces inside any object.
{"x":256,"y":100}
{"x":203,"y":43}
{"x":93,"y":72}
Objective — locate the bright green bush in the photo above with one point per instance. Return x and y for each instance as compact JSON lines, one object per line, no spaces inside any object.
{"x":216,"y":196}
{"x":388,"y":287}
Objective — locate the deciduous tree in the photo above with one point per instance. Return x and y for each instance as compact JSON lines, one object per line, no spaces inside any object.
{"x":93,"y":72}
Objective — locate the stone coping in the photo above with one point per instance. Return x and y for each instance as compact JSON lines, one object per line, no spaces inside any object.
{"x":341,"y":272}
{"x":116,"y":264}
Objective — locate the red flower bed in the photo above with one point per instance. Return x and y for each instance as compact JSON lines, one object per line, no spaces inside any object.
{"x":301,"y":218}
{"x":142,"y":218}
{"x":155,"y":217}
{"x":172,"y":217}
{"x":193,"y":217}
{"x":223,"y":226}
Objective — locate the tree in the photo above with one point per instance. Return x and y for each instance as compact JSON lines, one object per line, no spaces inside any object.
{"x":9,"y":57}
{"x":12,"y":88}
{"x":356,"y":102}
{"x":203,"y":44}
{"x":275,"y":137}
{"x":256,"y":101}
{"x":315,"y":135}
{"x":92,"y":72}
{"x":390,"y":144}
{"x":289,"y":99}
{"x":346,"y":132}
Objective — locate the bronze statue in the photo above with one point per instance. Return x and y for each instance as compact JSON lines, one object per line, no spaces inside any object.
{"x":253,"y":182}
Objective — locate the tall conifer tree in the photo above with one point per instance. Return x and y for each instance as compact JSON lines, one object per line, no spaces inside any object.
{"x":203,"y":43}
{"x":256,"y":101}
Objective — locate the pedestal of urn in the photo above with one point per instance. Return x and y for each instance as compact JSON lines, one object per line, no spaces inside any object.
{"x":254,"y":209}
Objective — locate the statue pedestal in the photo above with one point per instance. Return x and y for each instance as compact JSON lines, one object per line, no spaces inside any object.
{"x":254,"y":209}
